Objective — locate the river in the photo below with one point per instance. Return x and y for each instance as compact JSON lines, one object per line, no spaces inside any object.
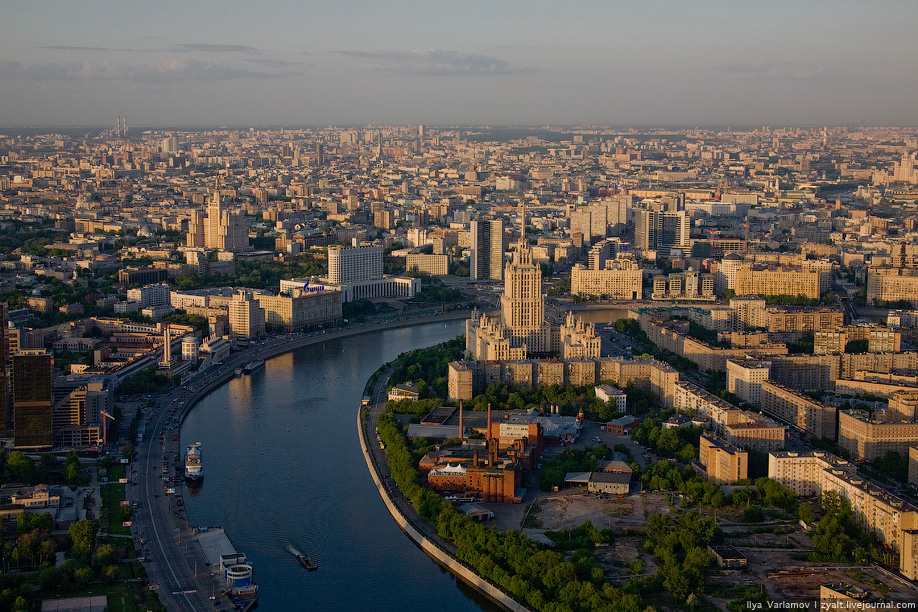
{"x":284,"y":472}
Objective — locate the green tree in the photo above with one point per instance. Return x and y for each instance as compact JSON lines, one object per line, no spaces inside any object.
{"x":105,"y":554}
{"x":110,"y":573}
{"x":72,"y":469}
{"x":20,"y":466}
{"x":83,"y":535}
{"x":805,"y":512}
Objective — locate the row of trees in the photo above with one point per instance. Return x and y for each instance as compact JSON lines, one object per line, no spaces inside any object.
{"x":16,"y":466}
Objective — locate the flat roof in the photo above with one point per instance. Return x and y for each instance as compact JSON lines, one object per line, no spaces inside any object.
{"x":215,"y":543}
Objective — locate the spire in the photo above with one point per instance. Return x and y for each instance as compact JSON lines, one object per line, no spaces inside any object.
{"x":523,"y":221}
{"x":217,"y":190}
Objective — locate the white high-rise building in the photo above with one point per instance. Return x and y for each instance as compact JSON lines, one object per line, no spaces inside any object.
{"x":354,"y":263}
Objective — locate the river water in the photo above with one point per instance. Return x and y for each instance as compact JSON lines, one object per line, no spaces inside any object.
{"x":284,"y":472}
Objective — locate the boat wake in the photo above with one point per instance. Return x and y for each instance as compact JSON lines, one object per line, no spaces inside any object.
{"x":293,"y":551}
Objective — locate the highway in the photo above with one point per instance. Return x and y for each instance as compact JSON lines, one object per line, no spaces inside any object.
{"x":162,"y":534}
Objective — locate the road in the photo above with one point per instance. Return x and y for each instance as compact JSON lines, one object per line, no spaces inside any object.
{"x":161,"y":531}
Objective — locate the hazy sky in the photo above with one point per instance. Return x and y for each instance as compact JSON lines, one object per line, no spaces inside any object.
{"x":300,"y":62}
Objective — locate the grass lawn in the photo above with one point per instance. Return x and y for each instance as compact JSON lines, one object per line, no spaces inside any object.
{"x":112,"y":495}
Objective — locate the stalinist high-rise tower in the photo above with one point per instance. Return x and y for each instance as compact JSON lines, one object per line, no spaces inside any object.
{"x":521,"y":331}
{"x":223,"y":229}
{"x":522,"y":306}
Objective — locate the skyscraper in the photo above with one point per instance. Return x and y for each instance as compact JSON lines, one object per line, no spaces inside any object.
{"x":6,"y":415}
{"x":224,"y":229}
{"x":487,"y":246}
{"x":655,"y":229}
{"x":32,"y":398}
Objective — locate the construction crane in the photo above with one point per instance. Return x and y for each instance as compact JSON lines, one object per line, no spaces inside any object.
{"x":105,"y":416}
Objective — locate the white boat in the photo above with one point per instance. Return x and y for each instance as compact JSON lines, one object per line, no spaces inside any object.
{"x":194,"y":470}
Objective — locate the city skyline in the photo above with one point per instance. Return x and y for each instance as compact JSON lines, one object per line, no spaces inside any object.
{"x":284,"y":63}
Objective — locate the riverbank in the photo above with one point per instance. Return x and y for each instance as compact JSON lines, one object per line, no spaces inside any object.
{"x":171,"y":560}
{"x":407,"y":519}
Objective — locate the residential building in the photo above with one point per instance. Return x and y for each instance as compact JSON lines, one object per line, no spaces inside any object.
{"x":794,"y":407}
{"x":435,"y":265}
{"x":777,"y":281}
{"x":246,"y":316}
{"x":619,"y":280}
{"x":723,"y":462}
{"x":891,"y":518}
{"x":870,"y":436}
{"x":745,"y":378}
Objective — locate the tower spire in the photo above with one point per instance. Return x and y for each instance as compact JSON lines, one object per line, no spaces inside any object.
{"x":523,"y":221}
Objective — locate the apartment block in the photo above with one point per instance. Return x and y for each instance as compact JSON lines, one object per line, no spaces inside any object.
{"x":894,"y":520}
{"x":745,"y":378}
{"x":739,"y":427}
{"x":620,"y":282}
{"x":778,"y":281}
{"x":435,"y":265}
{"x":807,"y":414}
{"x":869,"y":436}
{"x":879,"y":339}
{"x":723,"y":462}
{"x":465,"y":378}
{"x":802,"y":320}
{"x":892,"y":285}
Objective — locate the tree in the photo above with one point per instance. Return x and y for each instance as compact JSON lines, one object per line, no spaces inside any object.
{"x":805,"y":512}
{"x":20,"y":466}
{"x":83,"y":535}
{"x":111,"y":573}
{"x":72,"y":469}
{"x":105,"y":554}
{"x":82,"y":575}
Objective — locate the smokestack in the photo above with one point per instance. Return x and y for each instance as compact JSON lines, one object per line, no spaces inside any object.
{"x":475,"y":460}
{"x":488,"y":435}
{"x":461,"y":432}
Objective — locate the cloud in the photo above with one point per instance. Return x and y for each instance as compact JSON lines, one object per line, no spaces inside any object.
{"x":434,"y":62}
{"x":172,"y":71}
{"x":273,"y":63}
{"x":77,"y":48}
{"x":188,"y":47}
{"x":774,"y":71}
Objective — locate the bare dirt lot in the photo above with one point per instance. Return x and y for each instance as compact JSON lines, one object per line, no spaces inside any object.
{"x":770,"y":555}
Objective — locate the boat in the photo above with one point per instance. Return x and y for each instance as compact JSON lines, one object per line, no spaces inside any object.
{"x":194,"y":470}
{"x":253,"y":366}
{"x":306,"y":562}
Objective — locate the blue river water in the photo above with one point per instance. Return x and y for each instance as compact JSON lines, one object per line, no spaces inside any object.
{"x":284,"y":473}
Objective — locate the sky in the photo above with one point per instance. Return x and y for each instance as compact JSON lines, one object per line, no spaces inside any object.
{"x":463,"y":62}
